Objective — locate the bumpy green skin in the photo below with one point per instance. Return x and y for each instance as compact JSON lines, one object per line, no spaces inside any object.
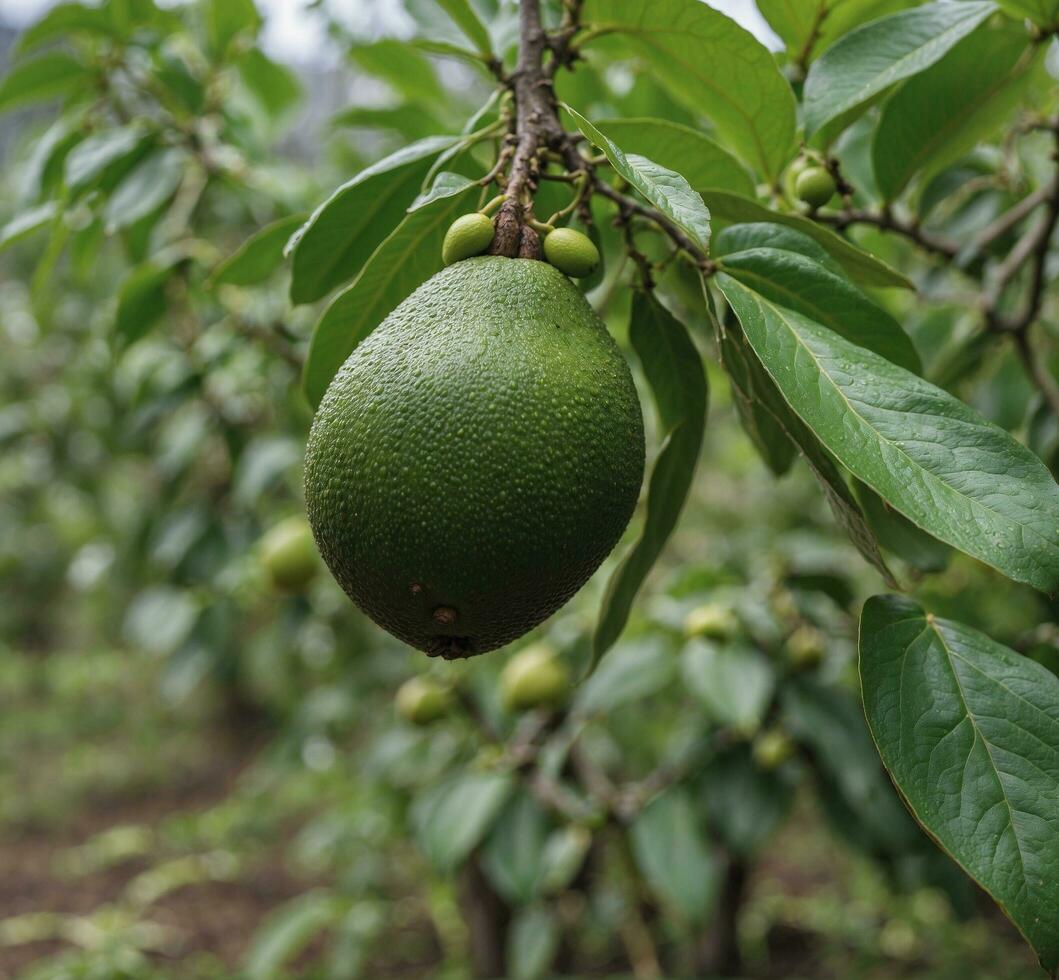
{"x":289,"y":555}
{"x":476,"y":458}
{"x":815,"y":186}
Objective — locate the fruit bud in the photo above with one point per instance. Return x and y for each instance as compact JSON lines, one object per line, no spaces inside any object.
{"x":288,"y":554}
{"x":470,"y":234}
{"x":571,"y":252}
{"x":713,"y":621}
{"x":805,"y":647}
{"x":772,"y":748}
{"x":534,"y":677}
{"x":815,"y":186}
{"x":421,"y":701}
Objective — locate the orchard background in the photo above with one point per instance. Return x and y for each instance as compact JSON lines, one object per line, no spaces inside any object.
{"x":203,"y":773}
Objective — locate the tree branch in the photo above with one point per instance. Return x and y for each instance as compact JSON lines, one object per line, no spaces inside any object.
{"x":886,"y":221}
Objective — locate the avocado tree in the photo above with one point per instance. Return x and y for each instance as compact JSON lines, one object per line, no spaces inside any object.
{"x":857,"y":234}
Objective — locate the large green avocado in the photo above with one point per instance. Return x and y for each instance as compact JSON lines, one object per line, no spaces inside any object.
{"x":476,"y":457}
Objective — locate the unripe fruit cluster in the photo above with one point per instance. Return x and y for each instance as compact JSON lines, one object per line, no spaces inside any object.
{"x":288,"y":555}
{"x":422,"y":701}
{"x":815,"y":186}
{"x":571,"y":252}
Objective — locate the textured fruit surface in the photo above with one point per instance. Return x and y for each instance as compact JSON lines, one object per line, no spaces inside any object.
{"x":815,"y":186}
{"x":289,"y":554}
{"x":476,"y":457}
{"x":534,"y":677}
{"x":469,"y":234}
{"x":421,"y":701}
{"x":571,"y":252}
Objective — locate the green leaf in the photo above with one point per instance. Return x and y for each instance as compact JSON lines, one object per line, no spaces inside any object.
{"x":405,"y":260}
{"x":410,"y":121}
{"x":142,"y":299}
{"x":734,"y":683}
{"x":672,"y":853}
{"x":666,"y":190}
{"x":715,"y":67}
{"x":766,"y":234}
{"x":969,"y":731}
{"x":1042,"y":12}
{"x":742,"y":802}
{"x":859,"y":265}
{"x":275,"y":87}
{"x":344,"y":231}
{"x":513,"y":855}
{"x":259,"y":256}
{"x":899,"y":535}
{"x":957,"y":476}
{"x":104,"y":154}
{"x":146,"y":188}
{"x":446,"y":184}
{"x":635,"y":670}
{"x":404,"y":69}
{"x":25,"y":224}
{"x":465,"y":18}
{"x":701,"y":161}
{"x":943,"y":113}
{"x":45,"y":77}
{"x":860,"y":67}
{"x":287,"y":931}
{"x":64,"y":19}
{"x":799,"y":283}
{"x":226,"y":20}
{"x":673,"y":369}
{"x":451,"y":819}
{"x":532,"y":942}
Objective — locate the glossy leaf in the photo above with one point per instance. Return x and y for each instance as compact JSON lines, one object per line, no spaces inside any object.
{"x":674,"y":857}
{"x":513,"y":854}
{"x":767,"y":417}
{"x":673,"y":369}
{"x":451,"y":819}
{"x":693,"y":155}
{"x":406,"y":259}
{"x":1045,"y":13}
{"x":228,"y":19}
{"x":145,"y":188}
{"x":65,"y":19}
{"x":899,"y":535}
{"x":962,"y":479}
{"x":102,"y":154}
{"x":633,"y":671}
{"x":665,"y":189}
{"x":734,"y":683}
{"x":859,"y":265}
{"x":259,"y":256}
{"x":715,"y":67}
{"x":465,"y":18}
{"x":943,"y":113}
{"x":863,"y":65}
{"x":743,"y":803}
{"x":142,"y":300}
{"x":45,"y":77}
{"x":969,"y":731}
{"x":344,"y":231}
{"x":532,"y":942}
{"x":799,"y":283}
{"x":25,"y":224}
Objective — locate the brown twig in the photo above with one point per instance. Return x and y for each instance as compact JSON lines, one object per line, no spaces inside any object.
{"x":887,"y":221}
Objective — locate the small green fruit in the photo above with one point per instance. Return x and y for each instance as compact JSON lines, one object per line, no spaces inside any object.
{"x":815,"y":186}
{"x":470,"y":234}
{"x":805,"y":647}
{"x":534,"y":677}
{"x":422,"y":701}
{"x":571,"y":252}
{"x":772,"y":748}
{"x":713,"y":621}
{"x":289,"y":556}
